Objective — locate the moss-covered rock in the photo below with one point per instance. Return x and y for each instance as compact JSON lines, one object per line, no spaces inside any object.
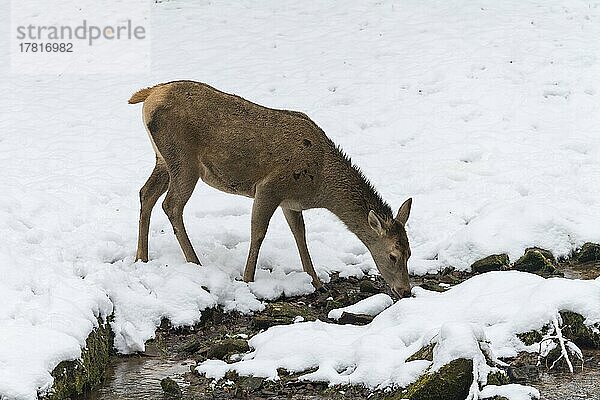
{"x":588,"y":252}
{"x":578,"y":332}
{"x":249,"y":384}
{"x":533,"y":337}
{"x":573,"y":328}
{"x":495,"y":262}
{"x":432,"y":286}
{"x":524,"y":373}
{"x":366,"y":286}
{"x":171,"y":388}
{"x":78,"y":377}
{"x":498,"y":378}
{"x":425,"y":353}
{"x":546,"y":253}
{"x":354,"y":319}
{"x":281,"y":313}
{"x":224,"y":348}
{"x":555,"y":360}
{"x":451,"y":382}
{"x":535,"y":262}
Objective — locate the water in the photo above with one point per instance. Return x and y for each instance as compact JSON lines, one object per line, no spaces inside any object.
{"x":132,"y":378}
{"x":139,"y":378}
{"x":578,"y":386}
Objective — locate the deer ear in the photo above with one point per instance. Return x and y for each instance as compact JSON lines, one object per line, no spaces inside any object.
{"x":404,"y":211}
{"x":375,"y":223}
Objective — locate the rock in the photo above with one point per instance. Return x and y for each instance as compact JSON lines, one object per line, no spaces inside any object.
{"x":498,"y":378}
{"x":154,"y":348}
{"x":555,"y":360}
{"x":72,"y":379}
{"x":227,"y":347}
{"x":433,"y":286}
{"x":588,"y":252}
{"x":546,"y":253}
{"x":534,"y":261}
{"x":533,"y":337}
{"x":451,"y":382}
{"x":250,"y":384}
{"x":171,"y":388}
{"x":366,"y":286}
{"x":281,"y":313}
{"x":523,"y":373}
{"x":354,"y":319}
{"x":191,"y":346}
{"x":425,"y":353}
{"x":575,"y":329}
{"x":495,"y":262}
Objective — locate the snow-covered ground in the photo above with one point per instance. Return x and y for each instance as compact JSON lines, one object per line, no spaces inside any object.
{"x":486,"y":113}
{"x":481,"y":315}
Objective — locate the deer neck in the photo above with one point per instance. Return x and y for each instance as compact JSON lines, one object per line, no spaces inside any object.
{"x":350,"y":196}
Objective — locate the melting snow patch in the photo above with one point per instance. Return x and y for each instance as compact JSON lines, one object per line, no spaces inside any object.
{"x":372,"y":305}
{"x":511,"y":392}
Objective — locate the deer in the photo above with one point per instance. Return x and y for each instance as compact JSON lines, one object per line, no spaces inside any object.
{"x":280,"y":158}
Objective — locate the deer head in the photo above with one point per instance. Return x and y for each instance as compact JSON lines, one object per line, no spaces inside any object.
{"x":390,"y":249}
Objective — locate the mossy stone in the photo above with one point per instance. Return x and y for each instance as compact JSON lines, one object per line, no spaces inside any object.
{"x":78,"y":377}
{"x":281,"y":313}
{"x":532,"y":337}
{"x":535,"y":262}
{"x":498,"y":378}
{"x":226,"y":347}
{"x":495,"y":262}
{"x":451,"y":382}
{"x":425,"y":353}
{"x":354,"y":319}
{"x":249,"y":384}
{"x":588,"y":252}
{"x":366,"y":286}
{"x":578,"y":332}
{"x":171,"y":388}
{"x":546,"y":253}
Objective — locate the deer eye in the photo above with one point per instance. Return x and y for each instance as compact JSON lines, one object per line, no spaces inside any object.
{"x":393,"y":258}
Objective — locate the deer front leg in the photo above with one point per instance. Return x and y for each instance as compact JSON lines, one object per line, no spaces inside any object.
{"x":265,"y":204}
{"x":296,"y":222}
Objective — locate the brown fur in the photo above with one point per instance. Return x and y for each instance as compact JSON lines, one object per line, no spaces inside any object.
{"x":280,"y":158}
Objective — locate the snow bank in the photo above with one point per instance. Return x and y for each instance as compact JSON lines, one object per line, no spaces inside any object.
{"x":511,"y":391}
{"x":486,"y":114}
{"x":372,"y":305}
{"x":46,"y":314}
{"x":481,"y":315}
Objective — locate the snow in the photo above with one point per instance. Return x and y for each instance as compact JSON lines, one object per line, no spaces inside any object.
{"x":477,"y":318}
{"x":511,"y":391}
{"x":372,"y":305}
{"x":485,"y":113}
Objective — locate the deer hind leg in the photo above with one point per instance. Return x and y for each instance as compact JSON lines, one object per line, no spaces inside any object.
{"x":183,"y":179}
{"x":154,"y":187}
{"x":265,"y":204}
{"x":296,"y":222}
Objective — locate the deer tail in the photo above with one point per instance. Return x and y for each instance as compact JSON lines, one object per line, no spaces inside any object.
{"x":141,"y":95}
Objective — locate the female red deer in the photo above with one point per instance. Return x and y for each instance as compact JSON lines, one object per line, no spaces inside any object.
{"x":280,"y":158}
